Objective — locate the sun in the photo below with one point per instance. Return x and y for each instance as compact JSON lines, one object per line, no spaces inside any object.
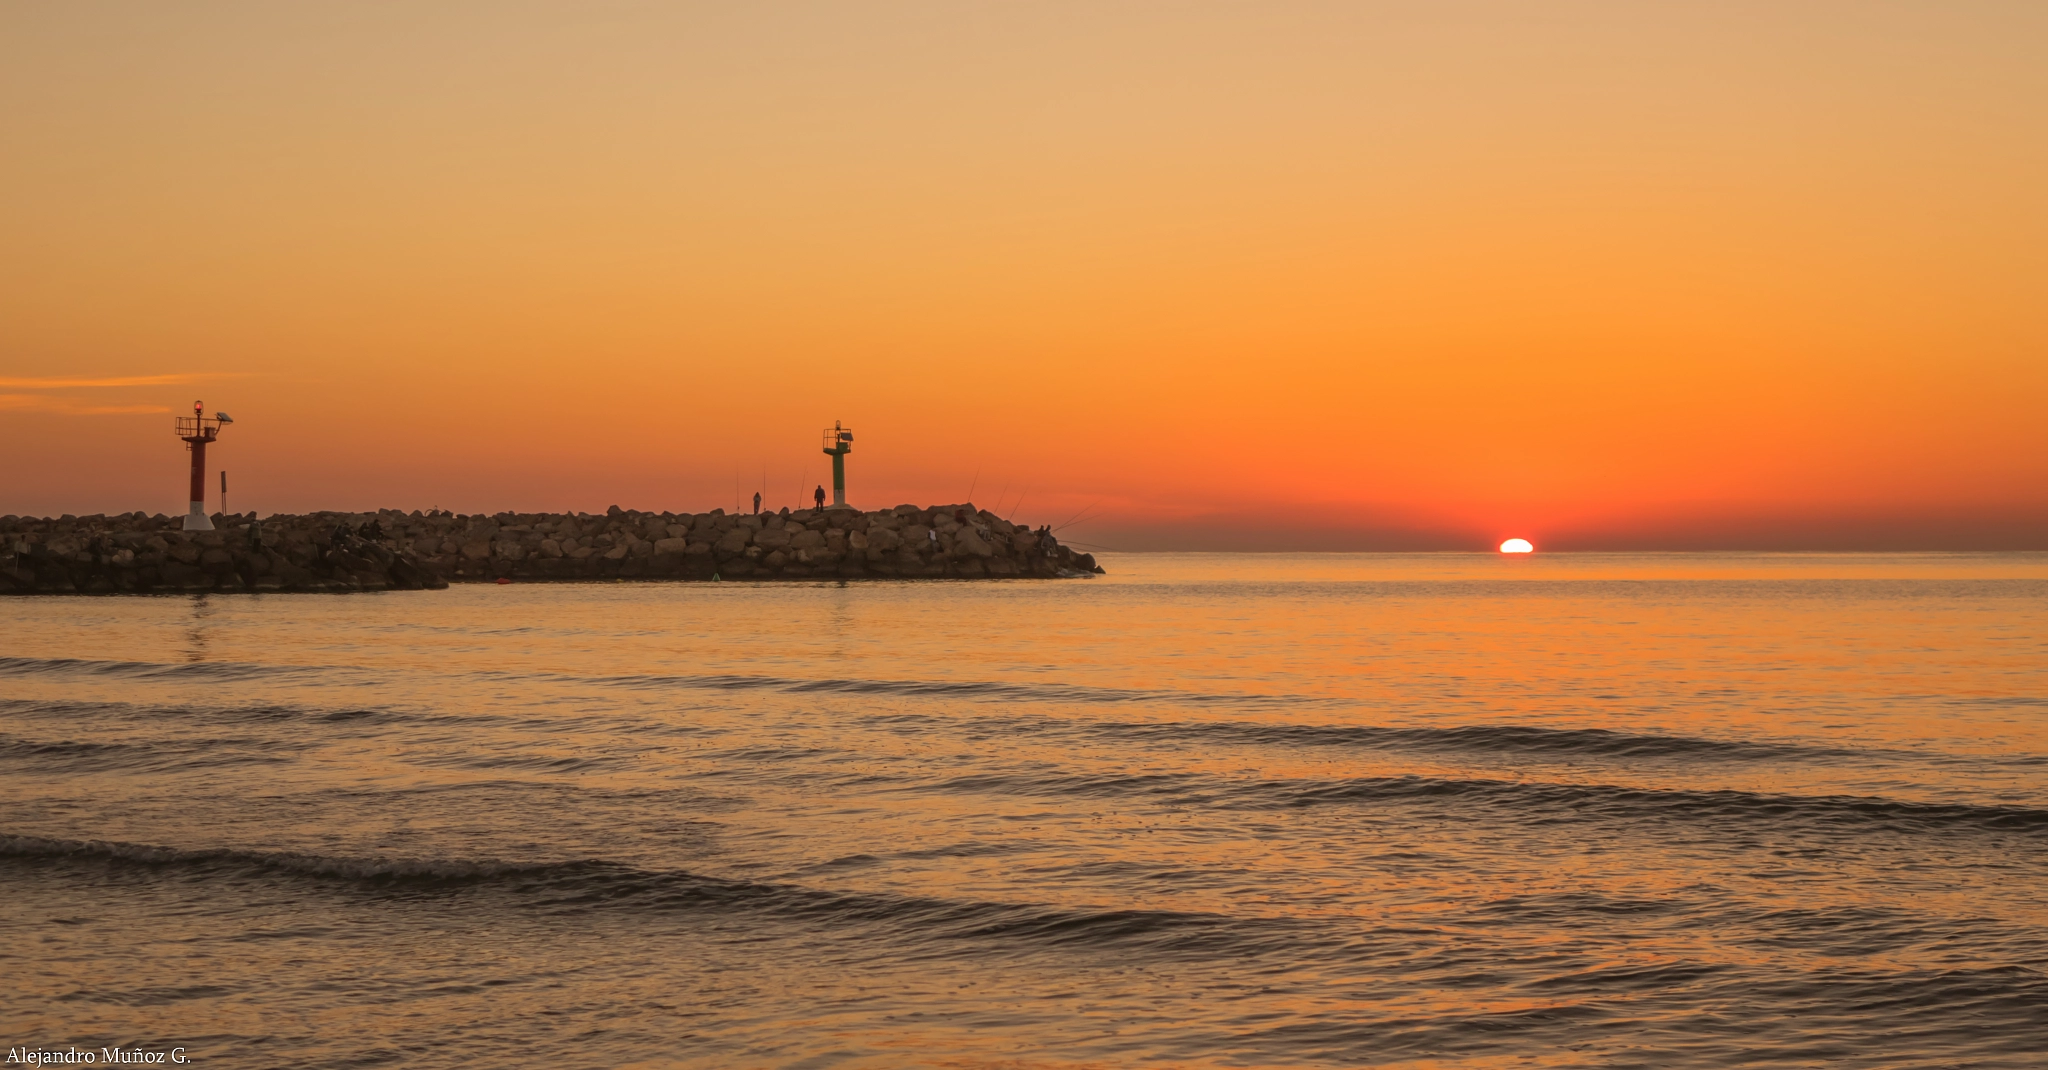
{"x":1517,"y":546}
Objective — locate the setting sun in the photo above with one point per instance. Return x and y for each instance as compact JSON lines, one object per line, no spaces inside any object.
{"x":1517,"y":546}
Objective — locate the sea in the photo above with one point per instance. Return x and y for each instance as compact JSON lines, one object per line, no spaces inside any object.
{"x":1207,"y":810}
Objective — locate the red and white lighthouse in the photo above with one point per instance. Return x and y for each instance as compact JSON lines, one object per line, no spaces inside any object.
{"x":197,"y":430}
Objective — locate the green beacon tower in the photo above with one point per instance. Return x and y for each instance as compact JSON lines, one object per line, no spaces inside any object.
{"x":838,"y":443}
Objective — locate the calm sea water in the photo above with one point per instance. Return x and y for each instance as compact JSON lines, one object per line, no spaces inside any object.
{"x":1208,"y":810}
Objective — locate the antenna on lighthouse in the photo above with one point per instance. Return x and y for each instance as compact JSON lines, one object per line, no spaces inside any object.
{"x":197,"y":430}
{"x":838,"y":443}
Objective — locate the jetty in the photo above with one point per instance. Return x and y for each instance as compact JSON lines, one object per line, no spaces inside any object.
{"x":394,"y":550}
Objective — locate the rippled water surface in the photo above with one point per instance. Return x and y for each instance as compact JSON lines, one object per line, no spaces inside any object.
{"x":1208,"y":810}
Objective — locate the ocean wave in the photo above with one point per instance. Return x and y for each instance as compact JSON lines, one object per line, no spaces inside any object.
{"x":971,"y":690}
{"x":1493,"y":738}
{"x":346,"y":721}
{"x":958,"y":689}
{"x":18,"y":749}
{"x":1977,"y":1016}
{"x":1845,"y":929}
{"x":582,"y":886}
{"x":1526,"y":802}
{"x":1543,"y":800}
{"x":151,"y":670}
{"x":88,"y":756}
{"x":1529,"y":739}
{"x":217,"y":859}
{"x":537,"y":763}
{"x":258,"y":716}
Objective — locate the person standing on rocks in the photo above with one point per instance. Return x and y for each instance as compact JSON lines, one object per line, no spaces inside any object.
{"x":819,"y":495}
{"x":757,"y":503}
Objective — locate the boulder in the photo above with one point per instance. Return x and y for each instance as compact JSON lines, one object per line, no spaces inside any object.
{"x":673,"y":545}
{"x":968,"y":542}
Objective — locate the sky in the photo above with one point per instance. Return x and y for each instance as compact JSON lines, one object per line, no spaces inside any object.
{"x":1169,"y":275}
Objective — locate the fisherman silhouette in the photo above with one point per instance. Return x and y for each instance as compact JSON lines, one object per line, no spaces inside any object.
{"x":819,"y":494}
{"x":757,"y":501}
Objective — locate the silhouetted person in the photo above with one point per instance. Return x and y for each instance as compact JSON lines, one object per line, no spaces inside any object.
{"x":819,"y":494}
{"x":757,"y":502}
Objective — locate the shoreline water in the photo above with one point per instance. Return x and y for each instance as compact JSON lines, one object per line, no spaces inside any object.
{"x":1207,"y":811}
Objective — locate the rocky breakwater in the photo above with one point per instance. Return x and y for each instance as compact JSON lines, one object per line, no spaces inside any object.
{"x":409,"y":551}
{"x":131,"y":552}
{"x":907,"y":541}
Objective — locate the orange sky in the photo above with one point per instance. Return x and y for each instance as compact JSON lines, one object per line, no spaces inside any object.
{"x":1331,"y":275}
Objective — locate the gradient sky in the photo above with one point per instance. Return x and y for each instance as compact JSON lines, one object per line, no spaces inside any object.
{"x":1354,"y":275}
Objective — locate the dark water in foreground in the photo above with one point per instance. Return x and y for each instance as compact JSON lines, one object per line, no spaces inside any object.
{"x":1206,"y":811}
